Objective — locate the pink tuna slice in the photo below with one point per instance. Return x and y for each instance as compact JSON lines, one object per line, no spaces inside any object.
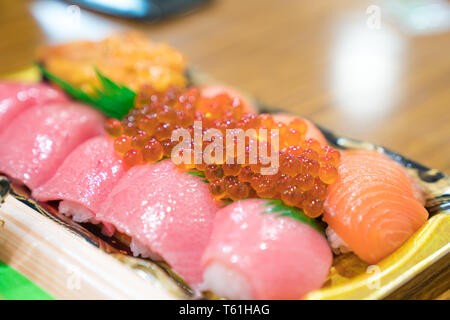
{"x":15,"y":97}
{"x":167,"y":212}
{"x":257,"y":255}
{"x":38,"y":140}
{"x":311,"y":132}
{"x":84,"y":179}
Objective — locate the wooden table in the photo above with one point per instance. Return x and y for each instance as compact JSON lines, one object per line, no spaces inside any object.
{"x":321,"y":59}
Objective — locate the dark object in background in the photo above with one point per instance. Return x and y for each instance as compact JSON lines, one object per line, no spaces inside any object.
{"x":150,"y":10}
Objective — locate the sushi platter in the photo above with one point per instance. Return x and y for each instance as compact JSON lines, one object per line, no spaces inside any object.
{"x":82,"y":219}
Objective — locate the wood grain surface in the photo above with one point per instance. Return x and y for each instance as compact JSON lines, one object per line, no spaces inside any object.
{"x":319,"y":59}
{"x":72,"y":268}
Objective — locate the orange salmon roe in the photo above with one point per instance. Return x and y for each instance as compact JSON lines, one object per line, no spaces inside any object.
{"x":132,"y":158}
{"x":153,"y":151}
{"x":114,"y":127}
{"x":306,"y":168}
{"x":122,"y":144}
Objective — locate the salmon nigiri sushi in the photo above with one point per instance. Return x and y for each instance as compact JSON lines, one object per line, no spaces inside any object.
{"x":373,"y":207}
{"x":84,"y":180}
{"x":15,"y":97}
{"x":38,"y":140}
{"x":255,"y":254}
{"x":167,"y":213}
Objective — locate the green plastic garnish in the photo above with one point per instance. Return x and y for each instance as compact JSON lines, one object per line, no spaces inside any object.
{"x":112,"y":99}
{"x":226,"y":202}
{"x":283,"y":210}
{"x":199,"y":174}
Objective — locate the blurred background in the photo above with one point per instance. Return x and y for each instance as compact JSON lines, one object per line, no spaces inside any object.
{"x":373,"y":70}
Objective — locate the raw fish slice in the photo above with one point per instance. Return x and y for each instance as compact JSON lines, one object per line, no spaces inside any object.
{"x":311,"y":130}
{"x":38,"y":140}
{"x":84,"y":179}
{"x":167,"y":212}
{"x":15,"y":97}
{"x":253,"y":254}
{"x":372,"y":207}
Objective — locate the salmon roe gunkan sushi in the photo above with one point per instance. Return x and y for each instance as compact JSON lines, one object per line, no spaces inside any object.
{"x":306,"y":166}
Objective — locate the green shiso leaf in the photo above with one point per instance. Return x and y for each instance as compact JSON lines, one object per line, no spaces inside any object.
{"x":112,"y":99}
{"x":283,"y":210}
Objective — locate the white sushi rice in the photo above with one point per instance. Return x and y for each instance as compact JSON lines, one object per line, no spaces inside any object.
{"x":338,"y":246}
{"x":225,"y":282}
{"x":140,"y":249}
{"x":79,"y":213}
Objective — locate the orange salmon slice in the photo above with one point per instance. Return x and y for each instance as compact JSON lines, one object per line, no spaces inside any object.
{"x":373,"y":205}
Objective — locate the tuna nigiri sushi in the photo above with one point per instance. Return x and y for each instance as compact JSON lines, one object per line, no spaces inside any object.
{"x":15,"y":97}
{"x":84,"y":180}
{"x":167,"y":212}
{"x":372,"y":208}
{"x":254,"y":254}
{"x":37,"y":141}
{"x":311,"y":130}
